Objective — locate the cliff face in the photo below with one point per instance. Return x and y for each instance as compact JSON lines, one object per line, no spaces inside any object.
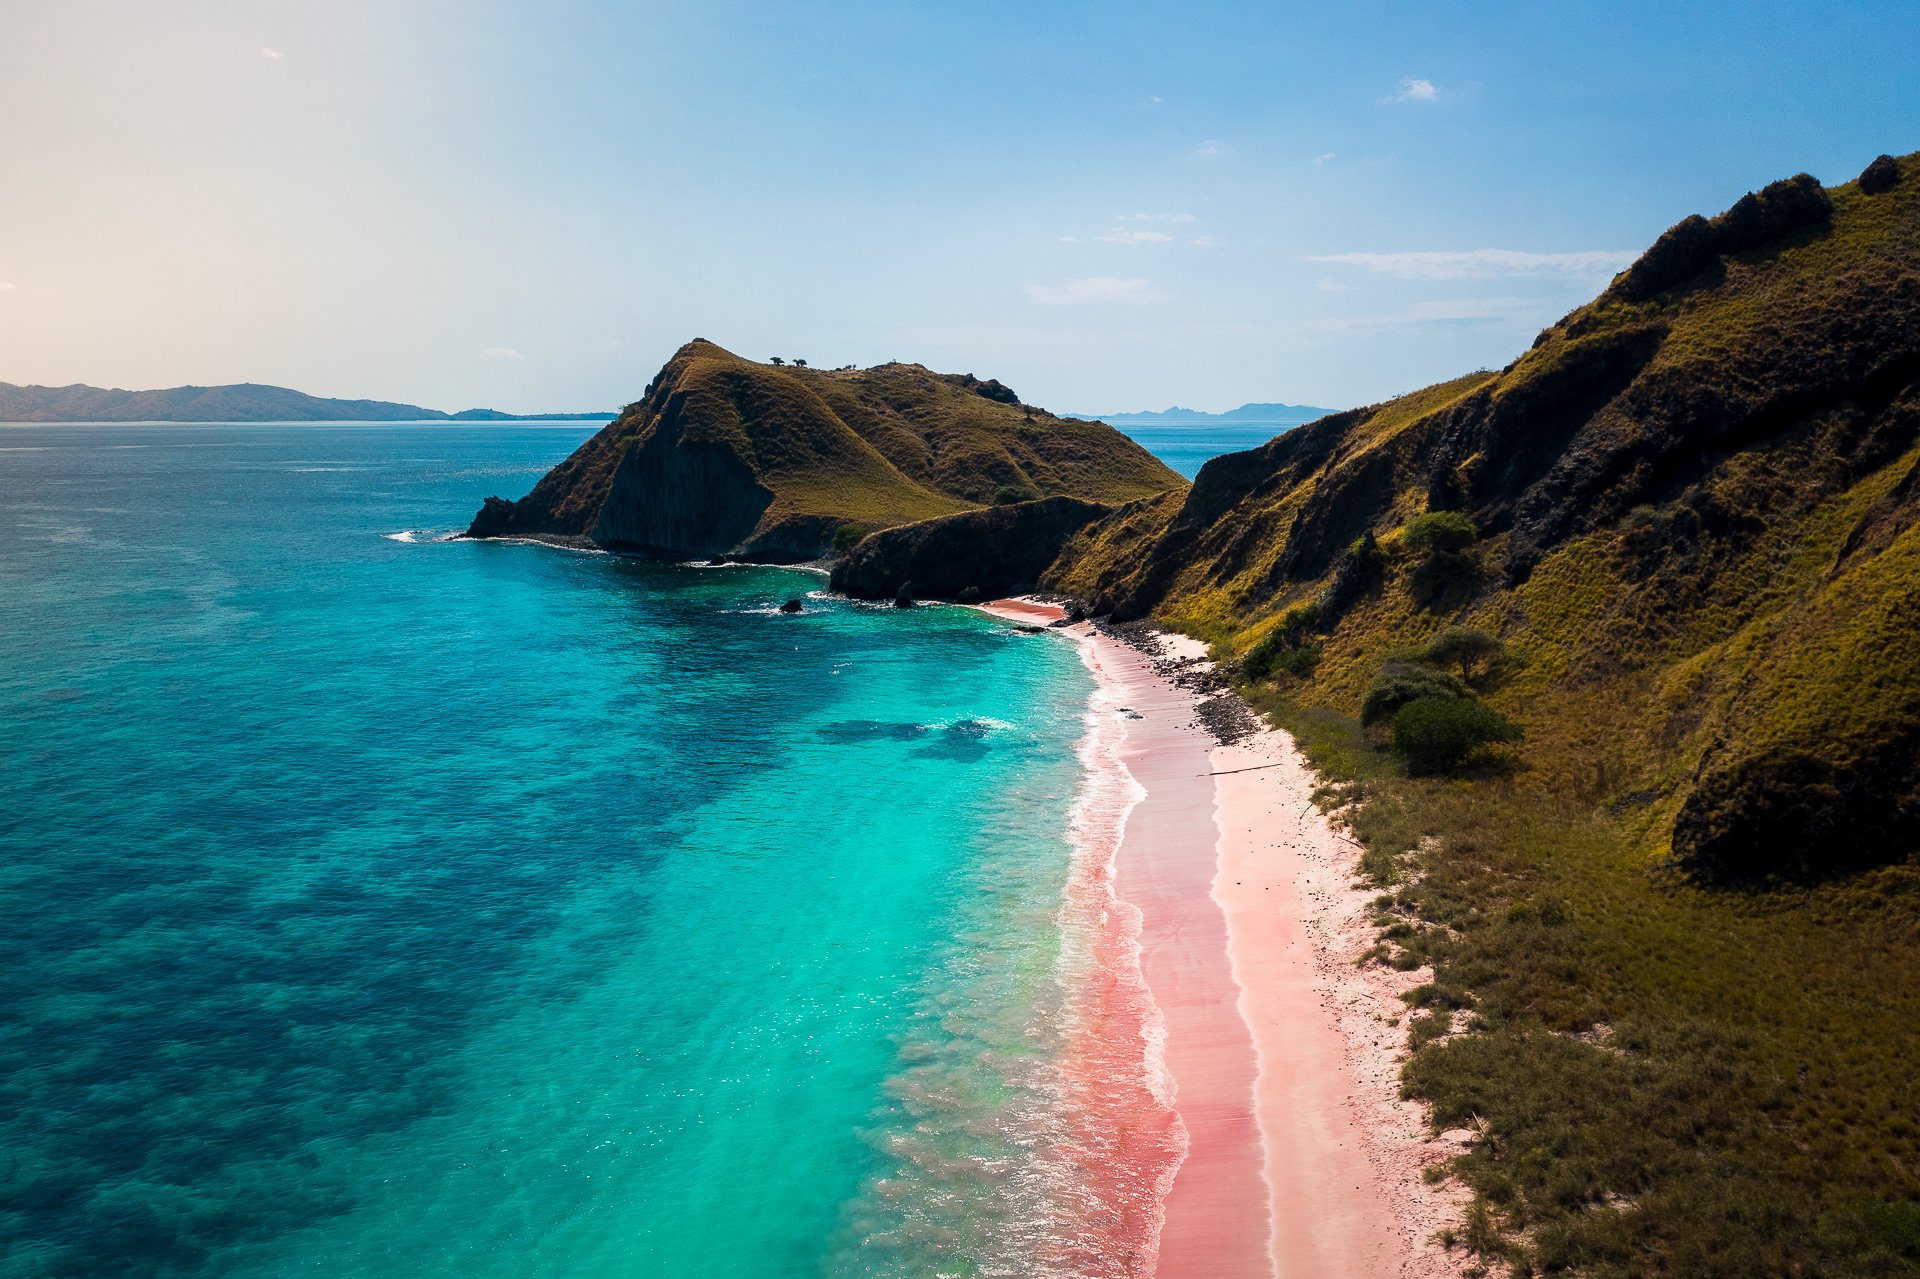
{"x":778,"y":464}
{"x":1697,"y":536}
{"x":998,"y":551}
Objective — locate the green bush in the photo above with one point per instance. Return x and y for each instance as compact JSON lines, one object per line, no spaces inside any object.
{"x":1439,"y":531}
{"x":1273,"y":656}
{"x":1008,"y":494}
{"x":847,"y":536}
{"x":1440,"y":734}
{"x":1467,"y":647}
{"x":1285,"y":648}
{"x":1399,"y":684}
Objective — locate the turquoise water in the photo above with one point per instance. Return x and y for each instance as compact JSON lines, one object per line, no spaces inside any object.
{"x":376,"y":905}
{"x":1187,"y":448}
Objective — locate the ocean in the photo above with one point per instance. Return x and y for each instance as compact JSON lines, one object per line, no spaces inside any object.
{"x":377,"y":904}
{"x":1187,"y":447}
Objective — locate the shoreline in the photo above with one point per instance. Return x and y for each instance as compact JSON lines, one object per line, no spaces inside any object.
{"x":1282,"y":1057}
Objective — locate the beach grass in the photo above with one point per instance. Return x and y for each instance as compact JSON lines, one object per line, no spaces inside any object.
{"x":1668,"y":1079}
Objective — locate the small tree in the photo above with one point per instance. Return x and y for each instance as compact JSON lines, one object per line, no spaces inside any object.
{"x":1400,"y":684}
{"x":1444,"y":532}
{"x":1439,"y":734}
{"x":776,"y":360}
{"x":1469,"y":649}
{"x":799,"y":364}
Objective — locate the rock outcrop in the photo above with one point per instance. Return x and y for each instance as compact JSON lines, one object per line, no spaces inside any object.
{"x":997,"y":551}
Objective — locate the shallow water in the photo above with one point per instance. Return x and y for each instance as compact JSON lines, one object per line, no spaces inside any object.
{"x":379,"y":905}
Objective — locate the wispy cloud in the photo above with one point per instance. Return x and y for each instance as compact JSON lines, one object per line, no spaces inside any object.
{"x":1098,"y":288}
{"x":1414,"y":91}
{"x":1126,"y":235}
{"x":1325,"y":158}
{"x":1480,"y":263}
{"x":271,"y":55}
{"x":1447,"y":311}
{"x":1205,"y":241}
{"x":1211,"y":149}
{"x":1153,"y":217}
{"x":501,"y":353}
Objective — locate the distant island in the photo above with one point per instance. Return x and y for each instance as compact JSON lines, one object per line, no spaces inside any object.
{"x":242,"y":402}
{"x":1245,"y":415}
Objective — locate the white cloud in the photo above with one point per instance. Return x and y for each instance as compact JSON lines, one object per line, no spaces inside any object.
{"x":1414,"y":91}
{"x":1453,"y":311}
{"x":1153,"y":217}
{"x":271,"y":55}
{"x":1121,"y":235}
{"x":1325,"y":158}
{"x":1099,"y":288}
{"x":1211,"y":149}
{"x":501,"y":353}
{"x":1205,"y":241}
{"x":1475,"y":263}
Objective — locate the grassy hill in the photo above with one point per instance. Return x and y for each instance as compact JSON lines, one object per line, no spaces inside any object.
{"x":724,"y":455}
{"x":1674,"y":930}
{"x":240,"y":402}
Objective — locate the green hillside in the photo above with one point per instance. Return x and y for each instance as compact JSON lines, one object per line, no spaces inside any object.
{"x":1674,"y":928}
{"x":724,"y":455}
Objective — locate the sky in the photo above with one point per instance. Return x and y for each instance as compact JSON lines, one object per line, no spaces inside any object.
{"x":1108,"y":206}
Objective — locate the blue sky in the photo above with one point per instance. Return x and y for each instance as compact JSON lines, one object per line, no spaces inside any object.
{"x":1108,"y":206}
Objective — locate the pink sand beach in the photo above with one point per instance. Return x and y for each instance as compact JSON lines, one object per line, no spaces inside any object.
{"x":1277,"y":1052}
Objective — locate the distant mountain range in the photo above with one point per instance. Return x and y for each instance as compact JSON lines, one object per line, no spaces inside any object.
{"x":1245,"y":415}
{"x":244,"y":402}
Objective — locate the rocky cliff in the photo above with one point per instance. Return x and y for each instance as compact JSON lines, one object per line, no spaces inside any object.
{"x":974,"y":555}
{"x":781,"y":464}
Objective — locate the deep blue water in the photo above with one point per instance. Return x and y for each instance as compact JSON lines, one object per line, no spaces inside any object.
{"x":389,"y":907}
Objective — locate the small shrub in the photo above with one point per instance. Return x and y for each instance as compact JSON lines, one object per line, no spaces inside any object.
{"x":1882,"y":175}
{"x":1439,"y":531}
{"x":1399,"y":684}
{"x":848,"y":536}
{"x":1272,"y":656}
{"x":1467,"y":647}
{"x":1422,"y":1031}
{"x":1285,"y":648}
{"x":1008,"y":494}
{"x":1440,"y":734}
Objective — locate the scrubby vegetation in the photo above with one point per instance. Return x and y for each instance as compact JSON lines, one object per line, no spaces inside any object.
{"x":1677,"y":543}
